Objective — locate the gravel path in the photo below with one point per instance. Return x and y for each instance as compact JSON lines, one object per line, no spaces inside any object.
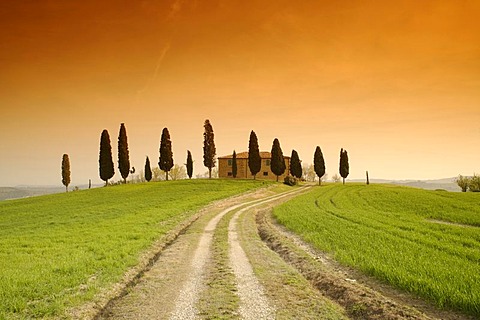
{"x":255,"y":305}
{"x":189,"y":294}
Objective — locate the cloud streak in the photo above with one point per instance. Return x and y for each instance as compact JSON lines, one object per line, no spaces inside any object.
{"x":154,"y":76}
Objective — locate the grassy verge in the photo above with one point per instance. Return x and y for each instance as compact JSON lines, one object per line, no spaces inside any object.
{"x":219,"y":300}
{"x":386,"y":231}
{"x":58,"y":251}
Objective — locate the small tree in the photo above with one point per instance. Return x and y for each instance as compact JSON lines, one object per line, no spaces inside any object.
{"x":204,"y":175}
{"x":157,"y":174}
{"x":189,"y":165}
{"x":105,"y":160}
{"x":344,"y":166}
{"x":336,"y":178}
{"x":123,"y":157}
{"x":209,"y":150}
{"x":178,"y":172}
{"x":277,"y":164}
{"x":462,"y":182}
{"x":308,"y":172}
{"x":319,"y":164}
{"x":254,"y":159}
{"x":66,"y":171}
{"x":166,"y":155}
{"x":474,"y":184}
{"x":295,"y":165}
{"x":234,"y":164}
{"x":148,"y":170}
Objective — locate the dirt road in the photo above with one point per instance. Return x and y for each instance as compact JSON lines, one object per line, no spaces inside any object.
{"x":177,"y":285}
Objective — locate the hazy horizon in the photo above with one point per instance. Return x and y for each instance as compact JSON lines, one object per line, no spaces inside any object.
{"x":396,"y":85}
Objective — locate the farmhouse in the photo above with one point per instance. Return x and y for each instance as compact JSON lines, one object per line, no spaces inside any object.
{"x":243,"y":171}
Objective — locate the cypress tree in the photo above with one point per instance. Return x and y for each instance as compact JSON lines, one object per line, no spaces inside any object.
{"x":105,"y":160}
{"x":123,"y":157}
{"x":148,"y":170}
{"x":234,"y":164}
{"x":254,"y":159}
{"x":277,"y":164}
{"x":189,"y":164}
{"x":166,"y":155}
{"x":295,"y":165}
{"x":319,"y":164}
{"x":66,"y":171}
{"x":209,"y":150}
{"x":344,"y":166}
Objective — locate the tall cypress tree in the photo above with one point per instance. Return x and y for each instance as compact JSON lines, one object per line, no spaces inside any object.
{"x":65,"y":171}
{"x":277,"y":164}
{"x":295,"y":165}
{"x":189,"y":164}
{"x":234,"y":164}
{"x":344,"y":166}
{"x":319,"y":164}
{"x":105,"y":160}
{"x":148,"y":170}
{"x":166,"y":155}
{"x":254,"y":159}
{"x":123,"y":157}
{"x":209,"y":150}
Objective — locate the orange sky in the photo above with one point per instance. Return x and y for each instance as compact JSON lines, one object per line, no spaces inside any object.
{"x":396,"y":83}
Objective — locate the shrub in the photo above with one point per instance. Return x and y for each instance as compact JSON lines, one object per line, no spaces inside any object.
{"x":474,"y":183}
{"x":290,"y":181}
{"x":462,"y":182}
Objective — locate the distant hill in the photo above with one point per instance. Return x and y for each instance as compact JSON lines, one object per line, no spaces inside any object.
{"x":434,"y":184}
{"x":12,"y":193}
{"x":431,"y":185}
{"x":24,"y":191}
{"x":7,"y":193}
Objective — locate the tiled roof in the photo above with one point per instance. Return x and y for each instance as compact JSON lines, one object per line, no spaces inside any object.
{"x":244,"y":155}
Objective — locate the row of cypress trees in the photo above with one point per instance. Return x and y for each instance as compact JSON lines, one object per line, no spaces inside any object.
{"x":165,"y":162}
{"x":277,"y":164}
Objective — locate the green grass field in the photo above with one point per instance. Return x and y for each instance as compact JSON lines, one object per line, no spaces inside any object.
{"x":58,"y":251}
{"x":394,"y":234}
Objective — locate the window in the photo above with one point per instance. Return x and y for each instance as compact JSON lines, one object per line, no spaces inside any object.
{"x":229,"y":174}
{"x":265,"y":173}
{"x":230,"y":162}
{"x":267,"y":163}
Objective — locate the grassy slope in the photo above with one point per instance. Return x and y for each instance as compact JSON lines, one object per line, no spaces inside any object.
{"x":57,"y":251}
{"x":386,"y":232}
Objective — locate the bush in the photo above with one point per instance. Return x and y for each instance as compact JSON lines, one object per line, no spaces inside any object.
{"x":290,"y":181}
{"x":474,"y":183}
{"x":462,"y":182}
